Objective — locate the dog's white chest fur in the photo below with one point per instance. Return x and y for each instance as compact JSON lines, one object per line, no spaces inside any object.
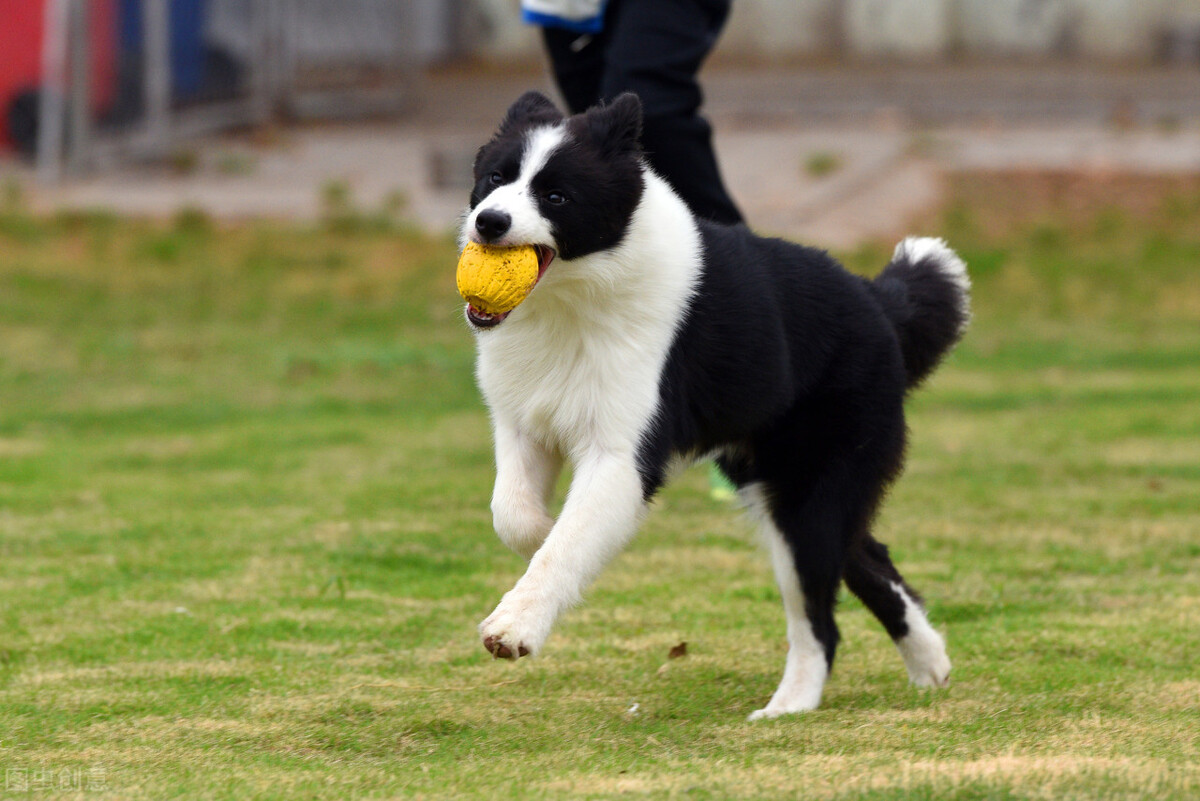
{"x":555,"y":393}
{"x":578,"y":365}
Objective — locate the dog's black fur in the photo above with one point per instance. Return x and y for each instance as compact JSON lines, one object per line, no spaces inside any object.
{"x":790,"y":369}
{"x":797,"y":370}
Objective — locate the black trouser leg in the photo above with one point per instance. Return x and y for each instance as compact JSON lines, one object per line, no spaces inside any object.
{"x":578,"y":64}
{"x":654,"y":48}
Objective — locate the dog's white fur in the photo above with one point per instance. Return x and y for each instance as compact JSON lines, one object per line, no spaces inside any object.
{"x":805,"y":671}
{"x":611,"y":323}
{"x":922,"y":648}
{"x":578,"y":381}
{"x":916,"y":249}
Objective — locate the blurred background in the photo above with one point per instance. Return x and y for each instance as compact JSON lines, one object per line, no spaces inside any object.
{"x":264,"y":107}
{"x":245,"y":470}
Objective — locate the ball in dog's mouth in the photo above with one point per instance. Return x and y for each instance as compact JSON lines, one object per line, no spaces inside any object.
{"x":495,"y":280}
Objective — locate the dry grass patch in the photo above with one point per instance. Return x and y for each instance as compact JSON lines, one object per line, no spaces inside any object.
{"x":275,"y":430}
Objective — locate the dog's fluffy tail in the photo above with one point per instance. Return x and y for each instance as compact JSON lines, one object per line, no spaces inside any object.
{"x":926,"y":293}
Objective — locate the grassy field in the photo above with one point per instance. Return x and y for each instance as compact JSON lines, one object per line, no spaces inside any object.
{"x":245,"y":539}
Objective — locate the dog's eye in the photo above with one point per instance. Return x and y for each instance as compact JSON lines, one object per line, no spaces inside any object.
{"x":495,"y":179}
{"x":556,"y":198}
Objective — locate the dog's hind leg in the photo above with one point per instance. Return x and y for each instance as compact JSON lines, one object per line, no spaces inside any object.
{"x":808,"y":571}
{"x":871,"y":576}
{"x":525,"y":474}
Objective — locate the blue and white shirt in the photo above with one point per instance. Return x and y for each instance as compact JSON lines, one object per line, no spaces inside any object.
{"x":581,"y":16}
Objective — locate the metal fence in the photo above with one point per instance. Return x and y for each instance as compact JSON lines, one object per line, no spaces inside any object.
{"x":130,"y":79}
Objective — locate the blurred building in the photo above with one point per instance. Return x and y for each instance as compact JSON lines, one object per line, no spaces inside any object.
{"x":77,"y":76}
{"x":1130,"y":30}
{"x":82,"y":81}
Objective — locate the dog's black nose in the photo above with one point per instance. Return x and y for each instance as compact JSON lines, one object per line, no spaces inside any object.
{"x":492,"y":224}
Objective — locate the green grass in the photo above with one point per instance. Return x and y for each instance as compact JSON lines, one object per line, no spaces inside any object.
{"x":245,"y":539}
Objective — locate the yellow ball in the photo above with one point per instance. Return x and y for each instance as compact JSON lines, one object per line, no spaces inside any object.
{"x":495,"y":280}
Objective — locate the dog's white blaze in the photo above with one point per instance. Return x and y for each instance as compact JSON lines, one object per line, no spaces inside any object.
{"x":805,"y":671}
{"x":575,"y":368}
{"x":516,"y":200}
{"x":540,"y":143}
{"x":922,"y":649}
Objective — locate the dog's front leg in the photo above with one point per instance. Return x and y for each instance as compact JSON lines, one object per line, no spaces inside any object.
{"x":600,"y":515}
{"x":525,"y":474}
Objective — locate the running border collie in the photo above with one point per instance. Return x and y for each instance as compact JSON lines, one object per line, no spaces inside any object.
{"x":653,"y":339}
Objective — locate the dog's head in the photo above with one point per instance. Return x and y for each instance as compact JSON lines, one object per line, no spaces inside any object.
{"x":566,"y":185}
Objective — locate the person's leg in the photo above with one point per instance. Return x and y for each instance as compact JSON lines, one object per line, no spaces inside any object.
{"x":577,"y":62}
{"x":655,"y":48}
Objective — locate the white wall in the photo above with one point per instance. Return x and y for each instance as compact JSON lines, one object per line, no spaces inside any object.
{"x":905,"y":28}
{"x":783,"y":29}
{"x":1016,"y":27}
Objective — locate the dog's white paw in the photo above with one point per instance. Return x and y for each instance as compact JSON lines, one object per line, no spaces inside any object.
{"x":801,"y":686}
{"x":789,"y":706}
{"x":519,"y":627}
{"x":924,"y":654}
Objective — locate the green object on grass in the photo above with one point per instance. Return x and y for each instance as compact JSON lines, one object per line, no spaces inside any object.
{"x":720,"y":488}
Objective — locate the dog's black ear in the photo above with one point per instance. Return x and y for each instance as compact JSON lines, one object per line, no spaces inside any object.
{"x":530,"y":108}
{"x":616,"y":127}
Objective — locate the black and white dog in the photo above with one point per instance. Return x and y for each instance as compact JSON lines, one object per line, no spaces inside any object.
{"x":653,"y":339}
